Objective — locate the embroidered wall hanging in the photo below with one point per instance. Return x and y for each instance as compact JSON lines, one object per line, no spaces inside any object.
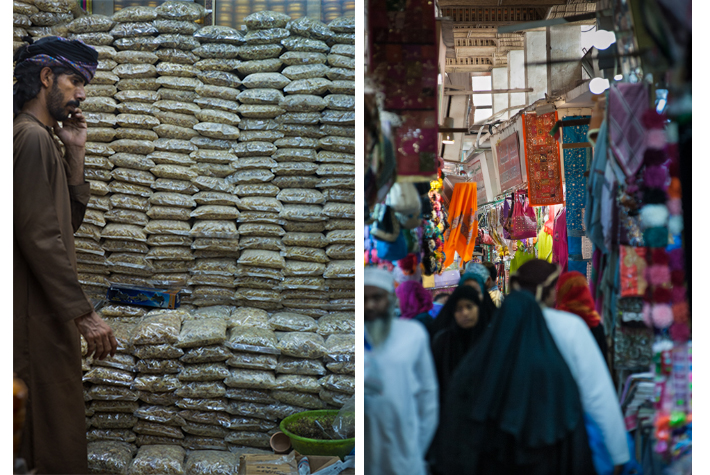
{"x":509,"y":172}
{"x":542,"y":158}
{"x":575,"y":181}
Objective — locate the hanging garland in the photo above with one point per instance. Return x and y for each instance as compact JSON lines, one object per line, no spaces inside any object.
{"x":434,"y":228}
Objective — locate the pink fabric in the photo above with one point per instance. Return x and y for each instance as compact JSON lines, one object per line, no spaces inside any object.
{"x":413,"y":299}
{"x":560,"y":254}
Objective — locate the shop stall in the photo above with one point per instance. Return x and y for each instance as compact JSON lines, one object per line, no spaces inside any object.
{"x":218,"y":242}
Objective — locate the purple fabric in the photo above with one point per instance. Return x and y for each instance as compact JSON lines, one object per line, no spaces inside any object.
{"x":559,"y":241}
{"x":413,"y":299}
{"x":627,"y":134}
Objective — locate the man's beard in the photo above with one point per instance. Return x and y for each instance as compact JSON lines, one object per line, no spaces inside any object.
{"x":54,"y":104}
{"x":378,"y":330}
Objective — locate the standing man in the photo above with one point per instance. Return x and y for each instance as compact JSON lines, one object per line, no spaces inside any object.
{"x":49,"y":199}
{"x":401,"y":397}
{"x":492,"y":284}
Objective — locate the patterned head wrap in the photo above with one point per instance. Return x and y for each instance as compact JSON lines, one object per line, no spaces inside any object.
{"x":574,"y":296}
{"x":57,"y":51}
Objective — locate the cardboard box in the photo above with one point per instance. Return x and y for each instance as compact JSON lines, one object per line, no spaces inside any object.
{"x":251,"y":464}
{"x":282,"y":464}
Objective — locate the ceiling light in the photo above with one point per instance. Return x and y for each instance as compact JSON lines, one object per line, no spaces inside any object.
{"x":598,"y":85}
{"x":602,"y":39}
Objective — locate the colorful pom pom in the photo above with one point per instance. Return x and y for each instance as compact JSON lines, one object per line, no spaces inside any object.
{"x":658,"y":275}
{"x":678,"y":294}
{"x":680,"y":332}
{"x":662,"y":295}
{"x":675,"y":207}
{"x":653,"y":216}
{"x":677,"y":278}
{"x":651,"y":119}
{"x":681,"y":313}
{"x":677,"y":259}
{"x":656,"y":177}
{"x":656,"y":237}
{"x":660,"y":257}
{"x":656,"y":139}
{"x":654,"y":157}
{"x":662,"y":316}
{"x":674,"y":190}
{"x":675,"y":224}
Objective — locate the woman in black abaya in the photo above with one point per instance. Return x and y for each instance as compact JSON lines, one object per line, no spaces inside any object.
{"x":461,"y":322}
{"x":512,"y":406}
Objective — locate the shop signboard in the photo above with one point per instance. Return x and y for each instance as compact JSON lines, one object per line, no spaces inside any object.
{"x":509,"y":169}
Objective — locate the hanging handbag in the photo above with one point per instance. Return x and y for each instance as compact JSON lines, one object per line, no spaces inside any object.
{"x":507,"y":216}
{"x":524,"y":222}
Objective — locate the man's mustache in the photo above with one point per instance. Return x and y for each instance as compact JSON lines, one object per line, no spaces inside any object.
{"x":73,"y":103}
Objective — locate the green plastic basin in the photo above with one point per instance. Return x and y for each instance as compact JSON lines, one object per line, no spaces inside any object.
{"x":306,"y":446}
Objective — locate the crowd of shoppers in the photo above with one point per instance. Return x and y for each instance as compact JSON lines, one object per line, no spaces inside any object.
{"x":486,"y":383}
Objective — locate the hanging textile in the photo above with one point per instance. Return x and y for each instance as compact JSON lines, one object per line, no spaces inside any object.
{"x":544,"y":246}
{"x":463,"y":226}
{"x":542,"y":158}
{"x":559,"y":241}
{"x":575,"y":160}
{"x":509,"y":171}
{"x":627,"y":135}
{"x":403,"y":62}
{"x":595,"y":185}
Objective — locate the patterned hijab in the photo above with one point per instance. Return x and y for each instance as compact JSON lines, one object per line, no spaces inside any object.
{"x":57,"y":51}
{"x":573,"y":296}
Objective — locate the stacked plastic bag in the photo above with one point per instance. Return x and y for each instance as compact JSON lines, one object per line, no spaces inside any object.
{"x":221,"y":163}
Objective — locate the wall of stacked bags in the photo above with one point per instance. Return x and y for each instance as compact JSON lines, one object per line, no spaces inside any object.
{"x":221,"y":162}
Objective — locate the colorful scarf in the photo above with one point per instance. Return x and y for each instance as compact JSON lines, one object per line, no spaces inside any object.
{"x":573,"y":296}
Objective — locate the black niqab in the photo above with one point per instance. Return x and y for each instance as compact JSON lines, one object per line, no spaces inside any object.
{"x":513,"y":406}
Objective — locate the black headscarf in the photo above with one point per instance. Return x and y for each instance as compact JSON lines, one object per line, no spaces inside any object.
{"x":58,"y":51}
{"x":452,"y":342}
{"x":513,"y":405}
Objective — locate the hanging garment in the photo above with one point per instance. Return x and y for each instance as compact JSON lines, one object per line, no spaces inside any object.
{"x":520,"y":258}
{"x":559,"y":241}
{"x":595,"y":184}
{"x":575,"y":160}
{"x":627,"y":135}
{"x":610,"y":214}
{"x":544,"y":245}
{"x":542,"y":157}
{"x":463,"y":227}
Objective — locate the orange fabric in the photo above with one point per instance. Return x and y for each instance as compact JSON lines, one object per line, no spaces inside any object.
{"x":674,"y":189}
{"x":463,"y":227}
